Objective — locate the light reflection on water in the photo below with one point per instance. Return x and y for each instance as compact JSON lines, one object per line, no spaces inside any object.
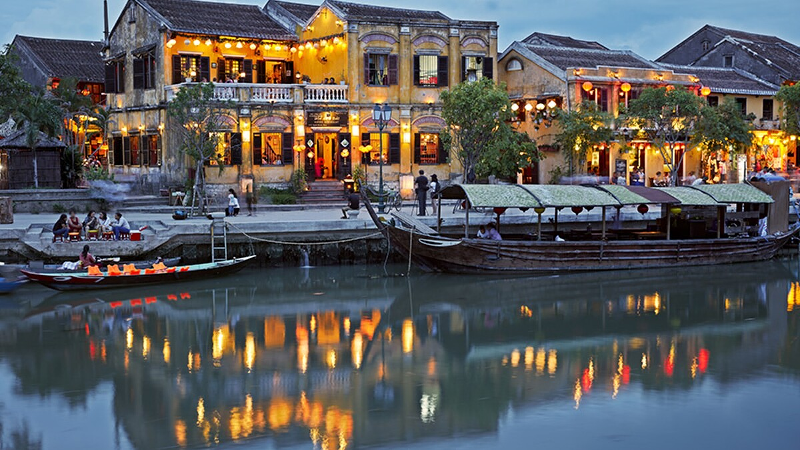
{"x":343,"y":358}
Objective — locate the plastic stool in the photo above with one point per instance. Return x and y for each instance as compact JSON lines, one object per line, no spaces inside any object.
{"x":74,"y":236}
{"x":108,"y":235}
{"x":92,"y":235}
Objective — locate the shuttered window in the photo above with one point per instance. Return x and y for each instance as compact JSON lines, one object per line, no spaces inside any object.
{"x":115,"y":76}
{"x":380,"y":69}
{"x":144,"y":71}
{"x":473,"y":68}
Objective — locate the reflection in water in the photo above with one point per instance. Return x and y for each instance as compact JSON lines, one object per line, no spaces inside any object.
{"x":468,"y":350}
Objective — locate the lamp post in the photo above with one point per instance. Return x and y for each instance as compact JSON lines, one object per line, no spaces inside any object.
{"x":381,"y":115}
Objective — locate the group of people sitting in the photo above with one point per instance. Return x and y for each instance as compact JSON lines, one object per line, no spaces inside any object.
{"x":489,"y":231}
{"x":94,"y":223}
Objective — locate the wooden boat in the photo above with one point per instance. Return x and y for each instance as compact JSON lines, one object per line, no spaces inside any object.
{"x":436,"y":253}
{"x":84,"y":281}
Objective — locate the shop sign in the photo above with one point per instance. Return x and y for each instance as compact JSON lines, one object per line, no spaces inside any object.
{"x":326,"y":119}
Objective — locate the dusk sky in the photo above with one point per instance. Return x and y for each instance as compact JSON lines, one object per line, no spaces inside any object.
{"x":648,"y":27}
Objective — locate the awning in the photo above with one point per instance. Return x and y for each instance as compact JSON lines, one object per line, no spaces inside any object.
{"x":690,"y":197}
{"x":637,"y":195}
{"x":566,"y":196}
{"x":491,"y":195}
{"x":735,"y":193}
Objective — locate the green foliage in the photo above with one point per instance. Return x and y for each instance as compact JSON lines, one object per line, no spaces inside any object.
{"x":789,"y":96}
{"x":59,"y":208}
{"x":664,"y":116}
{"x":360,"y":175}
{"x":13,"y":89}
{"x":93,"y":173}
{"x":278,"y":196}
{"x":198,"y":119}
{"x":298,"y":182}
{"x":71,"y":166}
{"x":582,"y":129}
{"x":556,"y":174}
{"x":480,"y":136}
{"x":723,"y":128}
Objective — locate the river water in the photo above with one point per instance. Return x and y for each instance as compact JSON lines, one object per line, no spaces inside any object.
{"x":348,"y":357}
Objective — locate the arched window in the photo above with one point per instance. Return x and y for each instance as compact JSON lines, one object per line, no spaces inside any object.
{"x":513,"y":65}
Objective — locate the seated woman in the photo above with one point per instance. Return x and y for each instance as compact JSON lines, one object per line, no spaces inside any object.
{"x":74,"y":223}
{"x":91,"y":222}
{"x":104,"y":222}
{"x":60,"y":228}
{"x":86,"y":258}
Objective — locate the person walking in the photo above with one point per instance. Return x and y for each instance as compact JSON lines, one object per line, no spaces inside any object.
{"x":434,"y":187}
{"x":233,"y":203}
{"x":421,"y":187}
{"x":250,"y":196}
{"x":120,"y":225}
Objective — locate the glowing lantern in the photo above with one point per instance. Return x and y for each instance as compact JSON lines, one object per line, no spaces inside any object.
{"x":587,"y":86}
{"x":252,"y":46}
{"x":208,"y":42}
{"x":515,"y":107}
{"x":324,"y":43}
{"x":336,"y":40}
{"x":528,"y":107}
{"x":705,"y":91}
{"x":187,"y":42}
{"x":228,"y":45}
{"x":308,"y":45}
{"x":239,"y":45}
{"x":196,"y":42}
{"x":171,"y":42}
{"x":642,"y":209}
{"x":551,"y":104}
{"x":626,"y":87}
{"x":293,"y":49}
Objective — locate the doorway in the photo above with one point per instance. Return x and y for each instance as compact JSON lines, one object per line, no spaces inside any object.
{"x":327,"y":163}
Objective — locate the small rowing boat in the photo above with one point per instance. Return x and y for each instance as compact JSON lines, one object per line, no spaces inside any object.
{"x":8,"y":286}
{"x":137,"y":277}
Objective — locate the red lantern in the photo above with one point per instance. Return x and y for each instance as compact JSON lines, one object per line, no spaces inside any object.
{"x":499,"y":211}
{"x":642,"y":209}
{"x":577,"y":209}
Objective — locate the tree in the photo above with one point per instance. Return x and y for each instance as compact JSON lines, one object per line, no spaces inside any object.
{"x":13,"y":89}
{"x":478,"y":115}
{"x":199,"y":117}
{"x":722,"y":128}
{"x":789,"y":96}
{"x":665,"y":116}
{"x":582,"y":129}
{"x":37,"y":114}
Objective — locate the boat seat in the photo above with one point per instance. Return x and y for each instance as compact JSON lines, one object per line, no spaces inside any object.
{"x":414,"y":223}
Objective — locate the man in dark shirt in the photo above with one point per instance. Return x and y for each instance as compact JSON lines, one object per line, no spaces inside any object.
{"x":353,"y":200}
{"x":421,"y":187}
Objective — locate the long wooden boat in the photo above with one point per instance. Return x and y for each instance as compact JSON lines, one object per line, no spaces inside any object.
{"x":84,"y":281}
{"x":436,"y":253}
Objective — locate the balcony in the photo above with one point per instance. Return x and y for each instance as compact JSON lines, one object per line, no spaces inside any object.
{"x":272,"y":93}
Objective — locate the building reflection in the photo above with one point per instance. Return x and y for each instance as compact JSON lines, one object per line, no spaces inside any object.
{"x":392,"y":361}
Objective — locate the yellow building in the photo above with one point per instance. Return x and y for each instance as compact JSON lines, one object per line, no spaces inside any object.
{"x":546,"y":72}
{"x":304,"y":79}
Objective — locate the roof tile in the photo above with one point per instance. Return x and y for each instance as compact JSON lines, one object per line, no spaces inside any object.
{"x":65,"y":58}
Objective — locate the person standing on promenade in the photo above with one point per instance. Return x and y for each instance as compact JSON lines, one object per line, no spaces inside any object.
{"x":434,"y":188}
{"x":233,"y":202}
{"x":250,"y":197}
{"x":421,"y":186}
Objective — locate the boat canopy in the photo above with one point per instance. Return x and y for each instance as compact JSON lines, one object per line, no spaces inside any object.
{"x":735,"y":193}
{"x":566,"y":196}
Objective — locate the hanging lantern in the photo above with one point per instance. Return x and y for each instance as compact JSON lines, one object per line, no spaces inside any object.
{"x":208,"y":42}
{"x":308,"y":45}
{"x":310,"y":154}
{"x":336,"y":40}
{"x":539,"y":210}
{"x":675,"y":210}
{"x":267,"y":47}
{"x":551,"y":104}
{"x":528,"y":107}
{"x":626,"y":87}
{"x":515,"y":107}
{"x":171,"y":42}
{"x":577,"y":209}
{"x":187,"y":42}
{"x":239,"y":45}
{"x":587,"y":86}
{"x":643,"y":209}
{"x":196,"y":42}
{"x":252,"y":46}
{"x":345,"y":153}
{"x":499,"y":211}
{"x":293,"y":49}
{"x":705,"y":91}
{"x":324,"y":43}
{"x":228,"y":45}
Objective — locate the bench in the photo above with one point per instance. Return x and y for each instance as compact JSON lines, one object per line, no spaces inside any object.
{"x":413,"y":223}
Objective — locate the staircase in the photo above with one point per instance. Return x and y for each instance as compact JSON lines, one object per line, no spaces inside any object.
{"x":324,"y":193}
{"x":145,"y":203}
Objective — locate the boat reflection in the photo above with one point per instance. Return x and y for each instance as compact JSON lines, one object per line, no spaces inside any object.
{"x":347,"y":359}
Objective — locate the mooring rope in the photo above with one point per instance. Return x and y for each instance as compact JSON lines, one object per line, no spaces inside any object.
{"x":410,"y":244}
{"x":272,"y":241}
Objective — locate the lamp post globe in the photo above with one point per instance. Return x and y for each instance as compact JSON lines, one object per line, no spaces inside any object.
{"x":381,"y":115}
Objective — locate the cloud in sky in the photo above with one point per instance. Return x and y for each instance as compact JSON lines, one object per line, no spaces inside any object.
{"x":648,"y":27}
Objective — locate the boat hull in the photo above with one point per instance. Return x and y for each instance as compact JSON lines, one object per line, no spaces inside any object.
{"x":468,"y":256}
{"x":82,"y":281}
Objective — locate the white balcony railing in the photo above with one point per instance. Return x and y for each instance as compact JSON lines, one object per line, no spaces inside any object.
{"x":272,"y":93}
{"x":325,"y":93}
{"x":279,"y":93}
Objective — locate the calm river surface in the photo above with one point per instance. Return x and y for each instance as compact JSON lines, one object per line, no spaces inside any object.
{"x":332,"y":358}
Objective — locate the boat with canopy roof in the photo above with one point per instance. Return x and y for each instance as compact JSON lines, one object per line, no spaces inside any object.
{"x":698,"y":225}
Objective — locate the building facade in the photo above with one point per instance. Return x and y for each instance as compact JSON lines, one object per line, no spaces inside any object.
{"x":304,"y":80}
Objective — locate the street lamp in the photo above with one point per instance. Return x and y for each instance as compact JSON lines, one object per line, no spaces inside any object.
{"x":381,"y":115}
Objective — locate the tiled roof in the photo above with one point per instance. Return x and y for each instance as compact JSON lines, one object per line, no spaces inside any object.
{"x":747,"y":36}
{"x":561,"y":41}
{"x":563,"y":57}
{"x":372,"y":13}
{"x":303,"y":12}
{"x":726,"y":80}
{"x":218,"y":19}
{"x":17,"y":140}
{"x":64,"y":58}
{"x":785,"y":57}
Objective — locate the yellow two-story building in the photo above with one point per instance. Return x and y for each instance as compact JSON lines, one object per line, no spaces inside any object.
{"x":304,"y":80}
